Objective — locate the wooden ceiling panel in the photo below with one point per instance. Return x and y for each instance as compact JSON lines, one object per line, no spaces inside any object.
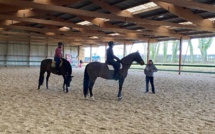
{"x":162,"y":22}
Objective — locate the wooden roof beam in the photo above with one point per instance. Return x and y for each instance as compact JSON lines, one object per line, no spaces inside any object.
{"x":62,"y":22}
{"x":20,"y":12}
{"x":56,"y":32}
{"x":57,"y":2}
{"x":57,"y":23}
{"x":54,"y":37}
{"x":89,"y":13}
{"x":185,"y":14}
{"x":45,"y":40}
{"x":157,"y":30}
{"x":102,"y":26}
{"x":101,"y":23}
{"x":8,"y":8}
{"x":113,"y":9}
{"x":191,"y":4}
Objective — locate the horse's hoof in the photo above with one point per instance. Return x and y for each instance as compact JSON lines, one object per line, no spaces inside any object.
{"x":66,"y":91}
{"x":119,"y":98}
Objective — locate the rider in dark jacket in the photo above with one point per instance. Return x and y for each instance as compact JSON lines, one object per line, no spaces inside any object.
{"x":110,"y":60}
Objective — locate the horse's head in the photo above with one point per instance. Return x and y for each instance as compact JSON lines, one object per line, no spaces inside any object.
{"x":68,"y":80}
{"x":138,"y":58}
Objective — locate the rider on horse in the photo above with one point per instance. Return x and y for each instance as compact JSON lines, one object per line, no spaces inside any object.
{"x":58,"y":55}
{"x":110,"y":60}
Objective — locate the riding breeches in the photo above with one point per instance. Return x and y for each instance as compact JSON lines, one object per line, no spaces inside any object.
{"x":116,"y":66}
{"x":57,"y":60}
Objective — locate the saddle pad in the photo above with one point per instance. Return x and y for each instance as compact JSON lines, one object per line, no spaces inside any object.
{"x":54,"y":63}
{"x":110,"y":67}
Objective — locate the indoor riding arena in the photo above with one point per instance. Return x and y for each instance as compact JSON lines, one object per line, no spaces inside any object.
{"x":178,"y":36}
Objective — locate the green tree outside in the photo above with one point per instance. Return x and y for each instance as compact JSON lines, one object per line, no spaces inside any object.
{"x":165,"y":47}
{"x":204,"y":44}
{"x":175,"y":48}
{"x":154,"y":49}
{"x":191,"y":51}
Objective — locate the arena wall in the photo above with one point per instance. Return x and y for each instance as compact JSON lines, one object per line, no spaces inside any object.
{"x":30,"y":54}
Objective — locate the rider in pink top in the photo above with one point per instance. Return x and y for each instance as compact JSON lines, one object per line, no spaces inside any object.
{"x":58,"y":55}
{"x":58,"y":52}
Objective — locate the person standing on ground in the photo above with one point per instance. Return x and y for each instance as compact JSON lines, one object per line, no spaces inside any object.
{"x":149,"y":72}
{"x":80,"y":63}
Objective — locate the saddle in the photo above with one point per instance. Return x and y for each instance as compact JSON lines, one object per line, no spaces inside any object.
{"x":110,"y":67}
{"x":54,"y":63}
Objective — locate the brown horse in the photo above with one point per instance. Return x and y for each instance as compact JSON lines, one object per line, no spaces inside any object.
{"x":97,"y":69}
{"x":65,"y":71}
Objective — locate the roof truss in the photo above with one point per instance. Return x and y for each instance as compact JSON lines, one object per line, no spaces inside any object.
{"x":39,"y":17}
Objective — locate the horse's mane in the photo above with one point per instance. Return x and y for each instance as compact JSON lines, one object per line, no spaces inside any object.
{"x":67,"y":66}
{"x":134,"y":53}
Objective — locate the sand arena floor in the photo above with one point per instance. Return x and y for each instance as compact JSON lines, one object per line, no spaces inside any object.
{"x":182,"y":105}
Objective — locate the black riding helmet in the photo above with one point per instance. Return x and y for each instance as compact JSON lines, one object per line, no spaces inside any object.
{"x":110,"y":43}
{"x":60,"y":43}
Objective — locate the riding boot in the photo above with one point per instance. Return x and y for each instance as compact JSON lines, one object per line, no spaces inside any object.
{"x":57,"y":69}
{"x":116,"y":75}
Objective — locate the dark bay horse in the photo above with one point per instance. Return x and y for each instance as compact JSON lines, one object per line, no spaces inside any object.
{"x":65,"y":71}
{"x":97,"y":69}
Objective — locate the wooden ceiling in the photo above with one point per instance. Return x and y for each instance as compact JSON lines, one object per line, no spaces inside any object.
{"x":52,"y":21}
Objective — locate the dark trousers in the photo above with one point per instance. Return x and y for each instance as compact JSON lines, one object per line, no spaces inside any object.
{"x":151,"y":80}
{"x":57,"y":60}
{"x":116,"y":66}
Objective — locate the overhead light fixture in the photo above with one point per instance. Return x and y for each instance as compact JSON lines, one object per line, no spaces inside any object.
{"x":84,"y":23}
{"x":64,"y":28}
{"x":25,"y":10}
{"x":94,"y":37}
{"x":186,"y":23}
{"x":50,"y":33}
{"x":114,"y":34}
{"x":160,"y":16}
{"x":78,"y":40}
{"x":142,"y":8}
{"x":104,"y":19}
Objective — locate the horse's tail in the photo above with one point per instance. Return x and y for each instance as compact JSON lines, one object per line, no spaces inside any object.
{"x":86,"y":82}
{"x":41,"y":77}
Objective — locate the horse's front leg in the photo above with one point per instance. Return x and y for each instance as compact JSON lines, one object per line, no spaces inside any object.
{"x":47,"y":80}
{"x":64,"y":85}
{"x":65,"y":88}
{"x":64,"y":82}
{"x":121,"y":81}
